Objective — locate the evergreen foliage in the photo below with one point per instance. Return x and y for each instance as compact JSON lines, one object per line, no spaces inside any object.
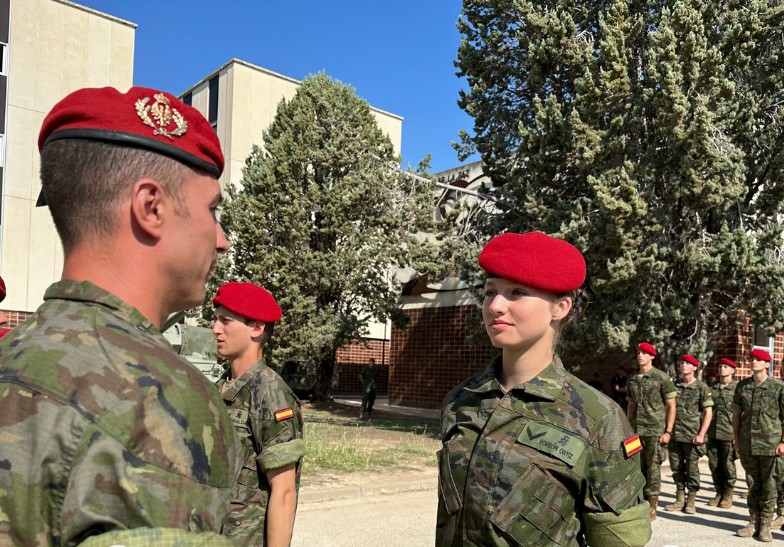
{"x":648,"y":133}
{"x":324,"y":221}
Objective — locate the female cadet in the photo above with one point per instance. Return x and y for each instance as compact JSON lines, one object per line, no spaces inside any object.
{"x":531,"y":454}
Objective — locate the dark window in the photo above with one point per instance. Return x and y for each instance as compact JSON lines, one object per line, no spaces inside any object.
{"x":188,"y":99}
{"x":213,"y":112}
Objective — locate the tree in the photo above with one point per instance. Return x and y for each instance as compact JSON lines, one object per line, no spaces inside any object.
{"x":649,"y":134}
{"x":324,"y":223}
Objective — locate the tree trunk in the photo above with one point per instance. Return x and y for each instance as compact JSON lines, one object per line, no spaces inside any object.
{"x":325,"y":372}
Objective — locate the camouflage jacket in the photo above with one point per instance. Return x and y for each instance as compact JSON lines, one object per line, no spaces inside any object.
{"x":648,"y":393}
{"x":268,"y":418}
{"x":761,"y":408}
{"x":368,"y":376}
{"x":541,"y":464}
{"x":721,"y":422}
{"x":104,"y":427}
{"x":692,"y":400}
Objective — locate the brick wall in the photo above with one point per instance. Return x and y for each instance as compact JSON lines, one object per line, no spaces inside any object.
{"x":433,"y":354}
{"x":16,"y":318}
{"x":352,"y":357}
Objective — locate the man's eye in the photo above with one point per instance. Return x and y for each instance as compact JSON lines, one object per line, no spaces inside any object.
{"x":217,"y":212}
{"x":490,"y":294}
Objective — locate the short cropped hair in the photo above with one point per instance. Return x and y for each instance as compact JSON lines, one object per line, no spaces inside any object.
{"x":84,"y":181}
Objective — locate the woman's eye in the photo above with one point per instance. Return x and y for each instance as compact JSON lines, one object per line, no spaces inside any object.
{"x":490,"y":294}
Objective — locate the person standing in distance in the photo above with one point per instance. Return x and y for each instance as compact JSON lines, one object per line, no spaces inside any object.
{"x":692,"y":419}
{"x":651,"y":410}
{"x":107,"y":430}
{"x":368,"y":377}
{"x":721,"y":454}
{"x":618,"y":386}
{"x":757,"y":416}
{"x":532,"y":455}
{"x":266,"y":414}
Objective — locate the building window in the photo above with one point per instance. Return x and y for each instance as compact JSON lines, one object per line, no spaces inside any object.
{"x":2,"y":151}
{"x":763,"y":340}
{"x":213,"y":110}
{"x":3,"y":58}
{"x":188,"y":99}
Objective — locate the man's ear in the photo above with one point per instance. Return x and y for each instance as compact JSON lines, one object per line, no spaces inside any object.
{"x":258,"y":328}
{"x":147,"y":207}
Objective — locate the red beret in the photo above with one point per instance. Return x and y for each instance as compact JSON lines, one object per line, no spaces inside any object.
{"x":248,"y":300}
{"x":142,"y":117}
{"x":728,"y":362}
{"x":536,"y":260}
{"x":645,"y":347}
{"x":2,"y":289}
{"x":760,"y":354}
{"x":690,"y":359}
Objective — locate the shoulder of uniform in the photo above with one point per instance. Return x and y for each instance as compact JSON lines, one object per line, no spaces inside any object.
{"x":592,"y":402}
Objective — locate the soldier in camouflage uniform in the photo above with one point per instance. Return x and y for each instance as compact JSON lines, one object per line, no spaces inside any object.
{"x":651,"y":411}
{"x":105,"y":430}
{"x":531,"y":454}
{"x":721,"y":454}
{"x":692,"y":419}
{"x":368,"y":377}
{"x":757,"y":415}
{"x":266,"y":414}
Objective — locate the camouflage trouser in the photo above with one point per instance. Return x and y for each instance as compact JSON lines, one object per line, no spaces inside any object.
{"x":368,"y":398}
{"x":721,"y":458}
{"x":650,"y":463}
{"x":760,"y":475}
{"x":683,"y":462}
{"x":245,"y":523}
{"x":779,"y":472}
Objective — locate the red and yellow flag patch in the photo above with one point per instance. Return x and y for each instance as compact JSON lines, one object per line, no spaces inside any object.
{"x":632,"y":445}
{"x":284,"y":414}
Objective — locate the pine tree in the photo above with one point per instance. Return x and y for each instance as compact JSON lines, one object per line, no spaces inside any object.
{"x":324,"y":221}
{"x":649,"y":134}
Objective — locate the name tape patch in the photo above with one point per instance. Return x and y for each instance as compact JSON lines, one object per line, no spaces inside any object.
{"x":552,"y":441}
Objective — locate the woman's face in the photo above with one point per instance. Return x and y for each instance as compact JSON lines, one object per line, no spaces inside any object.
{"x":519,"y":317}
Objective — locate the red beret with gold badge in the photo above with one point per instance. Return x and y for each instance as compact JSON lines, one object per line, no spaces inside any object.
{"x":690,"y":359}
{"x":728,"y":362}
{"x":645,"y":347}
{"x":760,"y":354}
{"x":248,"y":300}
{"x":141,"y":117}
{"x":535,"y":260}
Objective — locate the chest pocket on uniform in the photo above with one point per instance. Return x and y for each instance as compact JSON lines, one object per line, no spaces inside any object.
{"x":689,"y":401}
{"x":537,"y":510}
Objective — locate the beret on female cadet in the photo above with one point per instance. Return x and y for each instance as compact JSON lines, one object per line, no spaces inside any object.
{"x":760,"y":354}
{"x":645,"y":347}
{"x":728,"y":362}
{"x":248,"y":300}
{"x":535,"y":260}
{"x":690,"y":359}
{"x":143,"y":118}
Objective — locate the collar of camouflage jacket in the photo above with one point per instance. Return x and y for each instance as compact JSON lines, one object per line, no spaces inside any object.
{"x":231,"y":393}
{"x":547,"y":385}
{"x":84,"y":291}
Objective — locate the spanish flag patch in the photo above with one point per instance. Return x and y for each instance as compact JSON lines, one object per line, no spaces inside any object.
{"x":284,"y":414}
{"x":632,"y":445}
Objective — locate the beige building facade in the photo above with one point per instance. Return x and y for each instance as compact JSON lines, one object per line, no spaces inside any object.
{"x":53,"y":48}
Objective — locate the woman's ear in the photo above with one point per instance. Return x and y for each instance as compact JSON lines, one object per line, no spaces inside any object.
{"x":561,"y":307}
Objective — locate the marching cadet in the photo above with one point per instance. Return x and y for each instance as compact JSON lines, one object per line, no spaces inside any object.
{"x":721,"y":454}
{"x":651,"y":410}
{"x":266,"y":414}
{"x":105,"y":429}
{"x":531,"y":454}
{"x":692,"y":419}
{"x":757,"y":415}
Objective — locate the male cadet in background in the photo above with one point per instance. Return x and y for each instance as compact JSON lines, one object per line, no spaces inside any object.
{"x":692,"y":419}
{"x":721,"y":454}
{"x":651,"y":411}
{"x":106,"y":430}
{"x":3,"y":317}
{"x":757,"y":415}
{"x":266,"y":414}
{"x":368,"y":377}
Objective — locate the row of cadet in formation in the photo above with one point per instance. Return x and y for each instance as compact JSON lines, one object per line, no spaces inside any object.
{"x":727,"y":420}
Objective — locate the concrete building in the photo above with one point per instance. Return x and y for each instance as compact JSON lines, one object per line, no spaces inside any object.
{"x":50,"y":48}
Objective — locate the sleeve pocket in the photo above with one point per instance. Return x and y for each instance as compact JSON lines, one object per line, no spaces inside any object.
{"x":537,"y":511}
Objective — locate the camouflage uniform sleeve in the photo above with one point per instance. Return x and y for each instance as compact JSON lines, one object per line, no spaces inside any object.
{"x":736,"y":399}
{"x":631,"y":390}
{"x":706,"y":396}
{"x":668,"y":389}
{"x":615,"y":513}
{"x":277,"y":424}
